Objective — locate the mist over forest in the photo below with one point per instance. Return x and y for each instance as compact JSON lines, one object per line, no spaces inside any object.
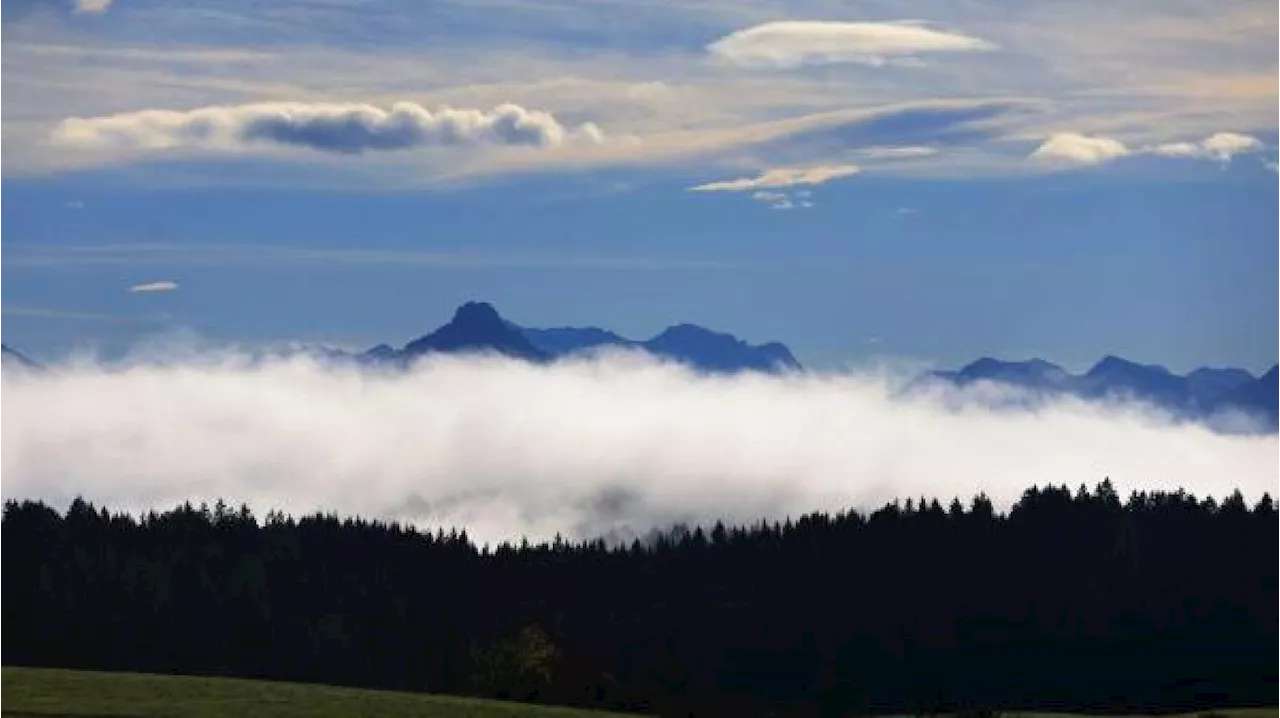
{"x":614,"y":445}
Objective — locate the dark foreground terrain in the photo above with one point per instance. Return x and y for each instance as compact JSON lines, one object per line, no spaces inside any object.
{"x":1073,"y":601}
{"x":54,"y":692}
{"x":57,"y":692}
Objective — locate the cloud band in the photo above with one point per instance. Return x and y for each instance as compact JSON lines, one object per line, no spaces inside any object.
{"x":780,"y":177}
{"x":337,"y":128}
{"x":1074,"y":148}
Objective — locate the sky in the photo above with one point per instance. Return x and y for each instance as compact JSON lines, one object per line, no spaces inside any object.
{"x":933,"y":181}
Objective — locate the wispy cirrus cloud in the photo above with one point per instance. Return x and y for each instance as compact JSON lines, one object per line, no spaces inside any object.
{"x":791,"y":44}
{"x":780,"y":177}
{"x":161,"y":286}
{"x":1144,"y":72}
{"x":271,"y":255}
{"x":327,"y":127}
{"x":897,"y":153}
{"x":1075,"y":148}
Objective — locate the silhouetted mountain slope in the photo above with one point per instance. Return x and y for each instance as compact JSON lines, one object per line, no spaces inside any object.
{"x":559,"y":341}
{"x":475,"y":327}
{"x":382,"y":352}
{"x":1210,"y":385}
{"x":1031,"y":374}
{"x":696,"y":346}
{"x":1261,"y":396}
{"x":1116,"y":377}
{"x":718,"y":352}
{"x":12,"y":357}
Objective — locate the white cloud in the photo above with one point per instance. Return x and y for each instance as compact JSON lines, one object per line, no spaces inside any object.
{"x":897,"y":153}
{"x":1070,"y":147}
{"x":1221,"y":146}
{"x":505,"y":448}
{"x":92,"y":7}
{"x":794,"y":43}
{"x":780,"y":177}
{"x":162,"y":286}
{"x":1073,"y":148}
{"x":327,"y":127}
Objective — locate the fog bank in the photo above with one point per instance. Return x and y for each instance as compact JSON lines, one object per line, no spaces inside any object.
{"x":616,"y":444}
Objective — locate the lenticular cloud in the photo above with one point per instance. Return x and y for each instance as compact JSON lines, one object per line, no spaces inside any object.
{"x":328,"y":127}
{"x":790,"y":44}
{"x":610,"y":446}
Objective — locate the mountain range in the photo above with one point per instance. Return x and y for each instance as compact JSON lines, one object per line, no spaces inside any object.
{"x":478,"y":327}
{"x":1199,"y":394}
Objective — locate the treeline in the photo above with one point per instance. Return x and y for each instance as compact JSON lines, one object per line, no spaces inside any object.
{"x":1070,"y":601}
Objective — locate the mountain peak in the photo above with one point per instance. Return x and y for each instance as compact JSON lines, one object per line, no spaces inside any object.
{"x":476,"y":326}
{"x":478,"y":314}
{"x":1112,"y":364}
{"x":690,"y":331}
{"x":1031,"y":373}
{"x":717,"y":351}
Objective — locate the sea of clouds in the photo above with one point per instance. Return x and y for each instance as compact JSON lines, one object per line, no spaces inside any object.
{"x":614,"y":445}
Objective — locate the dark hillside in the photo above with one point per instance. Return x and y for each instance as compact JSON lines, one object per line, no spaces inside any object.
{"x":1073,"y":601}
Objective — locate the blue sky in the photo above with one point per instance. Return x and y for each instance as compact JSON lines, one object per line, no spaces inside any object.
{"x":933,"y":181}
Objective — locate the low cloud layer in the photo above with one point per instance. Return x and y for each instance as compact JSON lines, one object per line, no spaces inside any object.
{"x":780,"y":177}
{"x":337,"y":128}
{"x":611,"y":446}
{"x":1074,"y":148}
{"x":163,"y":286}
{"x":792,"y":44}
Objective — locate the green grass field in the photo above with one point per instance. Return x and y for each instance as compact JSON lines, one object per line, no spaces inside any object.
{"x":89,"y":694}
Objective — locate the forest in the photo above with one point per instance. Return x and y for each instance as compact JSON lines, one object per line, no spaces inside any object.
{"x":1068,"y":601}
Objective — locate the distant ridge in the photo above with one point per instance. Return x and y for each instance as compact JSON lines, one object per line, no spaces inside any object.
{"x":478,"y":327}
{"x":1199,"y":394}
{"x":689,"y":344}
